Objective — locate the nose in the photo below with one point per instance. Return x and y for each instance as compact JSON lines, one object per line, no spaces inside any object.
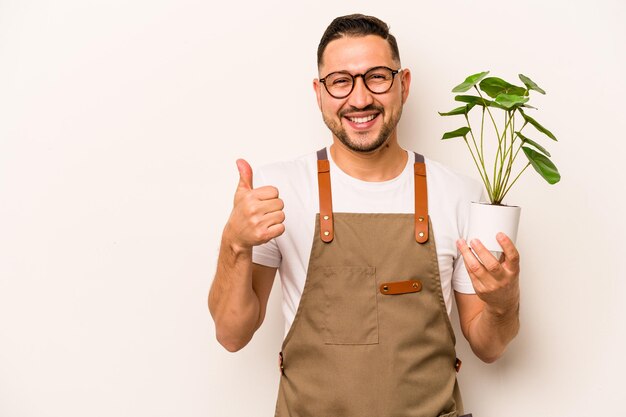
{"x":360,"y":97}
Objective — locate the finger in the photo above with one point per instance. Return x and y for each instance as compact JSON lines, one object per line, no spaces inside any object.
{"x":269,"y":206}
{"x":274,"y":218}
{"x":511,"y":255}
{"x":263,"y":208}
{"x":245,"y":174}
{"x":267,"y":192}
{"x":492,"y":265}
{"x":276,"y":230}
{"x":473,"y":265}
{"x":268,"y":227}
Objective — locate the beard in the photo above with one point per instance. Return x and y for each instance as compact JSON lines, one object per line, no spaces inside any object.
{"x":363,"y":146}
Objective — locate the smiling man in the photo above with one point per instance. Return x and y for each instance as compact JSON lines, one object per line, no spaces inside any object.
{"x":368,"y":240}
{"x":371,"y":115}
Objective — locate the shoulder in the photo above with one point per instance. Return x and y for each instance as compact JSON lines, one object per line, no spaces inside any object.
{"x":451,"y":182}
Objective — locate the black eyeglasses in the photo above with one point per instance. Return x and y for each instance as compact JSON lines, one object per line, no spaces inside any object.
{"x":378,"y":80}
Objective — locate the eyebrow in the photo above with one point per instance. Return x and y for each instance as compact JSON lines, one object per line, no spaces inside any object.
{"x":361,"y":73}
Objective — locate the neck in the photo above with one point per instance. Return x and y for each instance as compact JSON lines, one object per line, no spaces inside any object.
{"x":383,"y":164}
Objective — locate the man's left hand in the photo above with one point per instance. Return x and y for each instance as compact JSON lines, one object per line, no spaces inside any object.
{"x":496,"y":281}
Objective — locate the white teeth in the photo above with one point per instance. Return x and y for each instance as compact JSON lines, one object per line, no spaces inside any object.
{"x":362,"y":119}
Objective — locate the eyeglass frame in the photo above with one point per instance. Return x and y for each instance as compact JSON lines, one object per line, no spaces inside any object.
{"x":355,"y":76}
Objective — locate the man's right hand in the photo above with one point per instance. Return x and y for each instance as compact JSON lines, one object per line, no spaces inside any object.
{"x":257,"y":215}
{"x":240,"y":290}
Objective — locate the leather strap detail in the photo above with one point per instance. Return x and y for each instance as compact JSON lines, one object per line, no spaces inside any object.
{"x":421,"y":200}
{"x":457,"y":365}
{"x":326,"y":201}
{"x":400,"y":287}
{"x":326,"y":205}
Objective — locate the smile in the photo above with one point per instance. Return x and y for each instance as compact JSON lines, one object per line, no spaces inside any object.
{"x":365,"y":119}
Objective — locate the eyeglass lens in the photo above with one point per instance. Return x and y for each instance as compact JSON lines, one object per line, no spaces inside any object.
{"x":378,"y":80}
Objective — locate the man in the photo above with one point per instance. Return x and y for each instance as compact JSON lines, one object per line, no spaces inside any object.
{"x":366,"y":304}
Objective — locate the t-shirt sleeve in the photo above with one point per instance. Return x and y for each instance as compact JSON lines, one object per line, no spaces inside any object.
{"x":267,"y":254}
{"x":461,"y":282}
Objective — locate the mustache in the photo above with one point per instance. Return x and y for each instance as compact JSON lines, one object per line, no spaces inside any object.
{"x":352,"y":109}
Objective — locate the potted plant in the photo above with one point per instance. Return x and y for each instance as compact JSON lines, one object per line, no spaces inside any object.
{"x":502,"y":115}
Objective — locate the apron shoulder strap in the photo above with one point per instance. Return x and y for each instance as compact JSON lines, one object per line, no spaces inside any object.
{"x":326,"y":201}
{"x":421,"y":200}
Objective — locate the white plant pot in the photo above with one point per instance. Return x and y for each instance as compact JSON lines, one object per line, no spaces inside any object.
{"x":486,"y":220}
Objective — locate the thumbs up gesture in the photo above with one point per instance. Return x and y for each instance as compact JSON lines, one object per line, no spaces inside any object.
{"x":257,"y":215}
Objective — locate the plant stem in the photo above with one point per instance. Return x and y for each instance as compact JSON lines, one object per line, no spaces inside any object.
{"x":483,"y":171}
{"x":495,"y":125}
{"x":512,"y":156}
{"x":483,"y":177}
{"x":498,"y":164}
{"x":508,"y":151}
{"x":482,"y":130}
{"x":518,"y":175}
{"x":479,"y":153}
{"x":509,"y":132}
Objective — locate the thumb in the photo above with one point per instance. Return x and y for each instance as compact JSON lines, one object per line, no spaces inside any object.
{"x":245,"y":174}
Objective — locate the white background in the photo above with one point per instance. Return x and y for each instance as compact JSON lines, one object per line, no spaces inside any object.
{"x":120,"y":122}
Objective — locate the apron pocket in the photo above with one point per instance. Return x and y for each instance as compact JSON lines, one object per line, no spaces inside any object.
{"x":350,"y":309}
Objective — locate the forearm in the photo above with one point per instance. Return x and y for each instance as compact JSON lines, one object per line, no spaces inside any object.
{"x":491,"y":331}
{"x":233,"y":303}
{"x":490,"y":318}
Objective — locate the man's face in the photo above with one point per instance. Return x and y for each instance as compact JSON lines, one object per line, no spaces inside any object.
{"x":363,"y":121}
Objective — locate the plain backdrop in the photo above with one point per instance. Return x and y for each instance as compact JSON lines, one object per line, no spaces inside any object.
{"x":120,"y":123}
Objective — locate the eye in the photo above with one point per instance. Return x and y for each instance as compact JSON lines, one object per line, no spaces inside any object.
{"x":340,"y":81}
{"x":379,"y":75}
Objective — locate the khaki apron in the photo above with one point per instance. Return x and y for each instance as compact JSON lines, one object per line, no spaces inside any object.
{"x":371,"y":337}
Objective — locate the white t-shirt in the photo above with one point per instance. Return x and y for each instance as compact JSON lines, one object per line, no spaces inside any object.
{"x":449,"y":197}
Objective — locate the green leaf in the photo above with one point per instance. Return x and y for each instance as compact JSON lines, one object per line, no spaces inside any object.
{"x":476,"y":100}
{"x":473,"y":100}
{"x":537,"y":125}
{"x":543,"y":165}
{"x":530,"y":84}
{"x":469,"y":82}
{"x":456,"y":133}
{"x":533,"y":143}
{"x":494,"y":86}
{"x":510,"y":100}
{"x":459,"y":110}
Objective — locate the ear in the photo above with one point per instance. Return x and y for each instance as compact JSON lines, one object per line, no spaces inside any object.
{"x":317,"y":86}
{"x":405,"y":78}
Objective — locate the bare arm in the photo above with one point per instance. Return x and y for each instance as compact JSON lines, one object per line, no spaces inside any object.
{"x":240,"y":290}
{"x":490,"y":318}
{"x":238,"y":297}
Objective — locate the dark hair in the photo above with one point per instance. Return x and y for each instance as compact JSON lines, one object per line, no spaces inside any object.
{"x":357,"y":25}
